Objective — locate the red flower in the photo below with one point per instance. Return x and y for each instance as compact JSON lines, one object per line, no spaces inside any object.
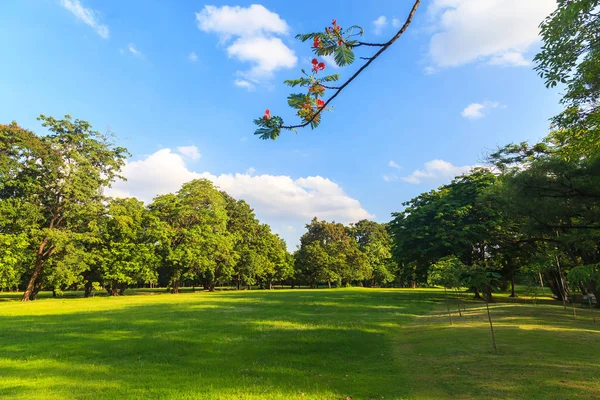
{"x":334,"y":23}
{"x":317,"y":42}
{"x":267,"y":114}
{"x":318,"y":66}
{"x":340,"y":42}
{"x":320,"y":103}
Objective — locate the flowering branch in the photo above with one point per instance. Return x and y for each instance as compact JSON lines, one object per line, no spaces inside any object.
{"x":311,"y":105}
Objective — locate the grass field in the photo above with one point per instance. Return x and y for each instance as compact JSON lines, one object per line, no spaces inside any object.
{"x":300,"y":344}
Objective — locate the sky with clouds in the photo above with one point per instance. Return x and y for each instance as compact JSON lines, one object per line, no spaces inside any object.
{"x":180,"y":82}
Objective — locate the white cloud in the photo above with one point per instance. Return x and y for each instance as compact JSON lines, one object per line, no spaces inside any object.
{"x":394,"y":164}
{"x":227,"y":21}
{"x":244,"y":84}
{"x":86,"y":15}
{"x":379,"y":24}
{"x":498,"y":32}
{"x":190,"y":151}
{"x":436,"y":171}
{"x":133,"y":50}
{"x":511,"y":58}
{"x":250,"y":171}
{"x":276,"y":199}
{"x":473,"y":111}
{"x":193,"y":57}
{"x":267,"y":54}
{"x":256,"y":31}
{"x":395,"y":22}
{"x":479,"y":110}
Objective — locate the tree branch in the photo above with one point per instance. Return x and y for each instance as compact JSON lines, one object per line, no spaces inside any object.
{"x":370,"y":44}
{"x":383,"y":48}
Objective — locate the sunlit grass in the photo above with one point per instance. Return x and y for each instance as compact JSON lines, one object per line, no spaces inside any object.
{"x":320,"y":344}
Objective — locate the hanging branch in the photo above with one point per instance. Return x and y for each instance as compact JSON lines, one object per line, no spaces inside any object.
{"x":310,"y":106}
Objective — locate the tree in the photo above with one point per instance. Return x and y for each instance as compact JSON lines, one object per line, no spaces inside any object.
{"x":375,"y":243}
{"x":329,"y":254}
{"x":127,"y":253}
{"x":196,"y":243}
{"x":570,"y":55}
{"x":452,"y":220}
{"x":245,"y":231}
{"x":448,"y":273}
{"x":333,"y":41}
{"x":59,"y":179}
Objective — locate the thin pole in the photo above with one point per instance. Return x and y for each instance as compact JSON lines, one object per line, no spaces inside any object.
{"x":491,"y":326}
{"x":561,"y":284}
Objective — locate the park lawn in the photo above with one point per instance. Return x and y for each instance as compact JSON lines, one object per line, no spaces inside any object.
{"x":286,"y":344}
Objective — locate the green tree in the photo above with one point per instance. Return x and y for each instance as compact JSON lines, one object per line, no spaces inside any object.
{"x":570,"y":55}
{"x":127,"y":253}
{"x":375,"y":242}
{"x":59,"y":178}
{"x":455,"y":219}
{"x":196,"y":243}
{"x":328,"y":253}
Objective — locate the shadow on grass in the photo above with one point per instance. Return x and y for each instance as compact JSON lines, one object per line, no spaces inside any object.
{"x":330,"y":344}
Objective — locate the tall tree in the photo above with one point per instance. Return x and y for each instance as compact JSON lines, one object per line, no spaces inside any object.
{"x":329,"y":254}
{"x":127,"y":252}
{"x":375,"y":242}
{"x":59,"y":177}
{"x":196,"y":243}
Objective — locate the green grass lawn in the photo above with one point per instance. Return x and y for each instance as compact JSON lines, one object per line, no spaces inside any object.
{"x":287,"y":344}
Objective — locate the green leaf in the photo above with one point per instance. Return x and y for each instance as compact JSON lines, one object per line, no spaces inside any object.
{"x":343,"y":56}
{"x":296,"y":100}
{"x":330,"y":78}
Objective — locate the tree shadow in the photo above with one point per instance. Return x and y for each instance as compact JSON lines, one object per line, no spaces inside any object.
{"x":280,"y":344}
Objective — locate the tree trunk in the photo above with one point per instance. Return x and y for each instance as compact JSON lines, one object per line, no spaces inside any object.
{"x":238,"y":282}
{"x":475,"y":290}
{"x":122,"y":290}
{"x":211,"y":286}
{"x":39,"y":264}
{"x":175,"y":286}
{"x":88,"y":290}
{"x":36,"y":290}
{"x":512,"y":286}
{"x":329,"y":283}
{"x":488,"y":294}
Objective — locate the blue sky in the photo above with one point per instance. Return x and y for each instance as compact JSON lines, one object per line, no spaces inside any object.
{"x":180,"y":82}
